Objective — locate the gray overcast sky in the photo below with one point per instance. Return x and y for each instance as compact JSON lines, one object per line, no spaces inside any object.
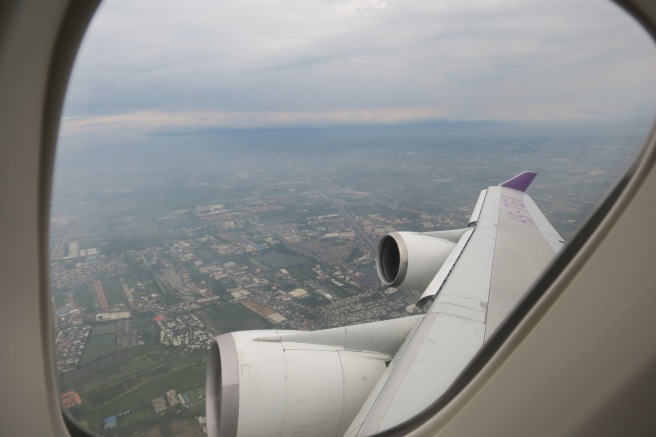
{"x":152,"y":65}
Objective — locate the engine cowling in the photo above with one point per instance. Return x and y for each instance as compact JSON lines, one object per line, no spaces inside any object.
{"x":289,"y":383}
{"x":410,"y":260}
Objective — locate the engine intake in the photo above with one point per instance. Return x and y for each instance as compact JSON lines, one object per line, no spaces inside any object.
{"x":287,"y":383}
{"x":410,"y":260}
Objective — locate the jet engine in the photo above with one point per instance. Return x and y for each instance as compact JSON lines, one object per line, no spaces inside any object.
{"x":289,"y":383}
{"x":410,"y":260}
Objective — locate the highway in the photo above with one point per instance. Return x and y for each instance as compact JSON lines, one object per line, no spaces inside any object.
{"x":355,"y":226}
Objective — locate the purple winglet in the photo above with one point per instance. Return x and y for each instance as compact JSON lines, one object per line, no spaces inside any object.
{"x":521,"y":181}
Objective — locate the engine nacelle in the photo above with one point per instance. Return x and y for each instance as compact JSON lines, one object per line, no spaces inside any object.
{"x":410,"y":260}
{"x":288,"y":383}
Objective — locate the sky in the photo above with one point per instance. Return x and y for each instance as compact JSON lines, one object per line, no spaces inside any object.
{"x":153,"y":67}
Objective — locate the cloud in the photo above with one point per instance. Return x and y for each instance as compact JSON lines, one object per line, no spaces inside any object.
{"x":159,"y":122}
{"x":261,"y":63}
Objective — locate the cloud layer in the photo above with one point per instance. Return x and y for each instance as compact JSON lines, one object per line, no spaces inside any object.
{"x":149,"y":65}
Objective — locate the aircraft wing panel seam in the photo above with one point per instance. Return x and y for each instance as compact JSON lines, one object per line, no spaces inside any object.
{"x":384,"y":397}
{"x":476,"y":213}
{"x":494,"y":249}
{"x":543,"y":225}
{"x":462,"y":311}
{"x":341,"y":418}
{"x":361,"y":417}
{"x":442,"y":276}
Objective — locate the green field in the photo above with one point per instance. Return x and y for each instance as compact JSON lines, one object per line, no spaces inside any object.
{"x":304,"y":271}
{"x":259,"y":265}
{"x":335,"y":290}
{"x":113,"y":291}
{"x":85,"y":296}
{"x":234,"y":317}
{"x":137,"y":416}
{"x":168,"y":426}
{"x":125,"y":381}
{"x":206,"y":254}
{"x":280,"y":260}
{"x":101,"y":371}
{"x":137,"y":392}
{"x":104,"y":328}
{"x":196,"y":394}
{"x":99,"y":345}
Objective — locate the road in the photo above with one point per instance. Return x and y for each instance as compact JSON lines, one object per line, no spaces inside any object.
{"x":355,"y":226}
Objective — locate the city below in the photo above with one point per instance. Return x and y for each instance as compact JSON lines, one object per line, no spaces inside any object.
{"x":155,"y":254}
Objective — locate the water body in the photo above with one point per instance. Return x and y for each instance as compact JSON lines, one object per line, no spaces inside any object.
{"x":278,"y":260}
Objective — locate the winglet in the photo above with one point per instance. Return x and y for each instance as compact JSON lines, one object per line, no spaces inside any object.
{"x":521,"y":181}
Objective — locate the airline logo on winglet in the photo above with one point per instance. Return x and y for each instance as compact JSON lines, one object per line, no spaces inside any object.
{"x":521,"y":181}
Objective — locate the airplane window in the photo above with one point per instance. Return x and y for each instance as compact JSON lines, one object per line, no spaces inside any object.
{"x":231,"y":166}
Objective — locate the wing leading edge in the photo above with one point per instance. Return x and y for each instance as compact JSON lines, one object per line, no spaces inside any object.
{"x":509,"y":245}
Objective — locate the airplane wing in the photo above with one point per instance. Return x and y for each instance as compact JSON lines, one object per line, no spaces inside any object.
{"x":364,"y":379}
{"x":509,"y":245}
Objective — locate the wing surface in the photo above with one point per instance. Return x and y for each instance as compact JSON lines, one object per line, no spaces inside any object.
{"x":509,"y":246}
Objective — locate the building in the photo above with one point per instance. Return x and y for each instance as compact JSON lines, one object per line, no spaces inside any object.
{"x":159,"y":405}
{"x":172,"y":397}
{"x":106,"y":317}
{"x":71,"y":399}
